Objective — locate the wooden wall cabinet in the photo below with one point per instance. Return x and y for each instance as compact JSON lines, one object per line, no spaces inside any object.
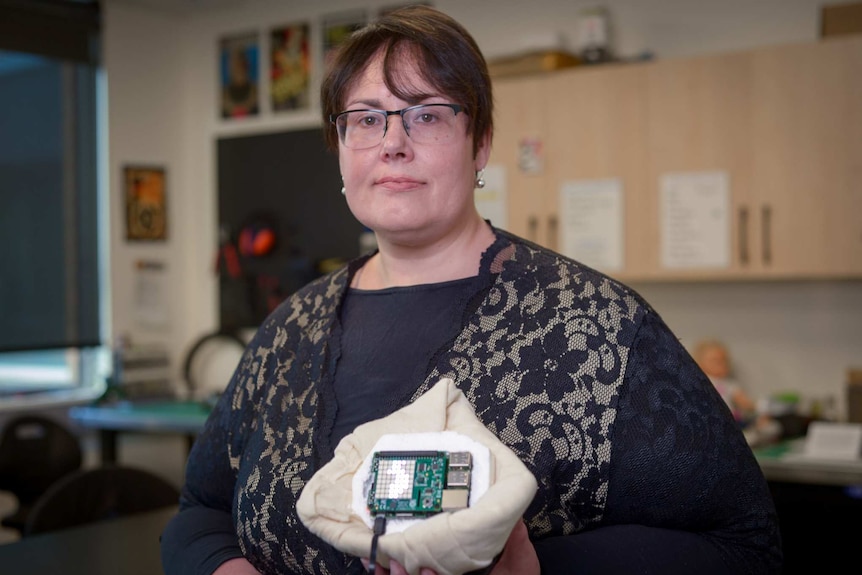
{"x":598,"y":130}
{"x":588,"y":124}
{"x":698,"y":111}
{"x":806,"y":148}
{"x":520,"y":129}
{"x":784,"y":123}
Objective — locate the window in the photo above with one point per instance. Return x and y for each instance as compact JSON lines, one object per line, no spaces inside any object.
{"x":52,"y":267}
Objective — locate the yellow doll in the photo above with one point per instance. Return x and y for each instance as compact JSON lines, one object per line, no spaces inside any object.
{"x":714,"y":359}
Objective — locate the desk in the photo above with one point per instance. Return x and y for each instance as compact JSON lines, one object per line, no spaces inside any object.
{"x":783,"y":462}
{"x":819,"y":507}
{"x":185,"y":417}
{"x":123,"y":546}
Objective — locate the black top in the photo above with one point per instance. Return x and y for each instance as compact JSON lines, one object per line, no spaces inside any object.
{"x":389,"y":338}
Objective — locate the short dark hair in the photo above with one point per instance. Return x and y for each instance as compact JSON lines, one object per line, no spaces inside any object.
{"x":447,"y":57}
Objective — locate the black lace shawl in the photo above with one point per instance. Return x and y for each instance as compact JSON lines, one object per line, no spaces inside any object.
{"x":574,"y":371}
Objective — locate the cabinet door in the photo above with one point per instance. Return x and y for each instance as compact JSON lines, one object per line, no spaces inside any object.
{"x":699,"y":121}
{"x":784,"y":124}
{"x":598,"y":132}
{"x":807,"y":158}
{"x":519,"y":146}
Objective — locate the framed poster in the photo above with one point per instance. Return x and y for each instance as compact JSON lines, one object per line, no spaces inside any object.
{"x":238,"y":62}
{"x":336,"y":29}
{"x":290,"y":67}
{"x":146,"y":208}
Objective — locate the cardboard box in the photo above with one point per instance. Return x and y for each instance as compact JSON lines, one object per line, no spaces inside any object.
{"x":841,"y":19}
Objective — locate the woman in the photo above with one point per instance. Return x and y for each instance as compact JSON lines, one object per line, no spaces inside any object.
{"x":640,"y":467}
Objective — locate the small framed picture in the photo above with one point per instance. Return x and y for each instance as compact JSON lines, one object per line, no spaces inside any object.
{"x":146,"y":208}
{"x":290,"y":67}
{"x":238,"y":61}
{"x":336,"y":29}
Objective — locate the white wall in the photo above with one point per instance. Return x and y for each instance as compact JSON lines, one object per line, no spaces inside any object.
{"x":162,"y":76}
{"x":147,"y":86}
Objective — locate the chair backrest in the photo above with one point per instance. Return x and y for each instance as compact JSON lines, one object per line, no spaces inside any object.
{"x":210,"y":363}
{"x":36,"y":451}
{"x":90,"y":495}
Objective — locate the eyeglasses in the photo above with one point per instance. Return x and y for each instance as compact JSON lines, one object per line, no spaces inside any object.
{"x":424,"y":124}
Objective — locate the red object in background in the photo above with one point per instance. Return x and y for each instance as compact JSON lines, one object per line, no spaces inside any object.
{"x":271,"y":289}
{"x":256,"y":241}
{"x":227,"y":259}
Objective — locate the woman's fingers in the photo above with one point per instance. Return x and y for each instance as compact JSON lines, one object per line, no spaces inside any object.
{"x":396,"y":568}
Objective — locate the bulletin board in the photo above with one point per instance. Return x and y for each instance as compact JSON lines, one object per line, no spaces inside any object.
{"x":291,"y":182}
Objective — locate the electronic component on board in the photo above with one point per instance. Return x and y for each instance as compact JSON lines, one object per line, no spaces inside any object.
{"x":419,"y":483}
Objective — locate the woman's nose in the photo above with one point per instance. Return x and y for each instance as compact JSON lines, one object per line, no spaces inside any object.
{"x":396,"y":136}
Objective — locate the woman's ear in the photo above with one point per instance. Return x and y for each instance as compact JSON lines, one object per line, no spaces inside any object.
{"x":483,"y":152}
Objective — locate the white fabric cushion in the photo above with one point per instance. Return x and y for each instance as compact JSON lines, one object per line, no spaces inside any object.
{"x":448,"y":543}
{"x":480,"y":477}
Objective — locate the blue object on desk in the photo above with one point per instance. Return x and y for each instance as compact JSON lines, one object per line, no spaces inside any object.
{"x":167,"y":416}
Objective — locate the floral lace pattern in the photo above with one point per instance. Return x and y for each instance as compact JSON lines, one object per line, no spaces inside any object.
{"x":545,"y":356}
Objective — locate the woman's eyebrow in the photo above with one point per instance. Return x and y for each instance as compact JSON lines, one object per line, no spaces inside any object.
{"x":371,"y":103}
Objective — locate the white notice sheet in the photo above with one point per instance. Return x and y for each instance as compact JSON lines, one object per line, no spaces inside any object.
{"x":591,"y":213}
{"x":151,"y":294}
{"x":695,"y":220}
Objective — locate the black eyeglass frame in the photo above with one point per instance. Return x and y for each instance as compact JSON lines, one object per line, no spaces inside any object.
{"x":333,"y":118}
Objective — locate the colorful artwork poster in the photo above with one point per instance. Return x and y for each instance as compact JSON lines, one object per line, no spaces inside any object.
{"x":290,"y":67}
{"x":238,"y":61}
{"x":337,"y":28}
{"x":146,"y":209}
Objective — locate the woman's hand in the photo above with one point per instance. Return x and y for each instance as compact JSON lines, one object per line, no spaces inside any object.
{"x":238,"y":566}
{"x":518,"y":558}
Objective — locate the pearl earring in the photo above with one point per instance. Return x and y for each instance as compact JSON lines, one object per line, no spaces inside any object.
{"x":343,"y":191}
{"x":480,"y":182}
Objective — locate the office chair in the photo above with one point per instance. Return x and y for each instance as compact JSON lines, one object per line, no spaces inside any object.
{"x":210,"y":363}
{"x":35,"y":452}
{"x":90,"y":495}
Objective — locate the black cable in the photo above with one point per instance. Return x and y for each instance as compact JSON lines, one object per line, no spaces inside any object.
{"x":379,"y":529}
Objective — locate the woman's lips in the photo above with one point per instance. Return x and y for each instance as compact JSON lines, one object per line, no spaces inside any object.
{"x":398,"y":184}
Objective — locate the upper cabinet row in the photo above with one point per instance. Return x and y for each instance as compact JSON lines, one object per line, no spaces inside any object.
{"x":736,"y":166}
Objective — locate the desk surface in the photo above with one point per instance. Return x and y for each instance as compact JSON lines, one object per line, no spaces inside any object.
{"x":166,"y":416}
{"x":123,"y":546}
{"x":784,"y":462}
{"x":779,"y":462}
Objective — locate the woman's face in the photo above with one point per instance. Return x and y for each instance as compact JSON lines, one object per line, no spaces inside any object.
{"x":410,"y":194}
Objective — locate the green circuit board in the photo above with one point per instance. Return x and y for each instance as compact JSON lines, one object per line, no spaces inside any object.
{"x":419,"y":483}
